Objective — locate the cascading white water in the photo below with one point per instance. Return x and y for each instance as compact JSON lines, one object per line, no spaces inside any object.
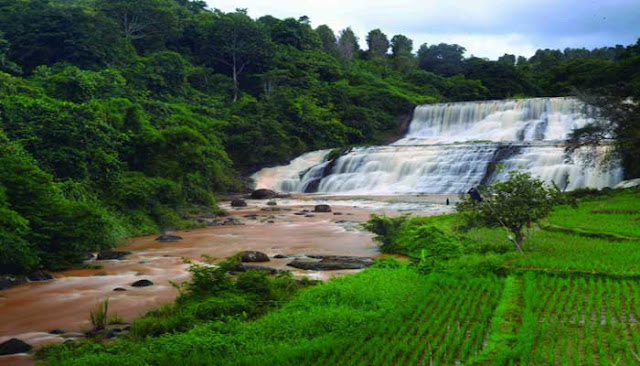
{"x":452,"y":147}
{"x":287,"y":178}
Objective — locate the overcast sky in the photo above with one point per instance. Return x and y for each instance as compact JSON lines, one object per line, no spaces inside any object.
{"x":486,"y":28}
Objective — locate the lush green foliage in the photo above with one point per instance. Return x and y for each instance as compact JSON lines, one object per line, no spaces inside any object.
{"x":513,"y":204}
{"x":138,"y":111}
{"x":570,"y":299}
{"x":335,"y":323}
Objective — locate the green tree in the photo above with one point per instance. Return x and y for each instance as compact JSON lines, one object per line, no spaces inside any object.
{"x":514,"y":204}
{"x":147,"y":24}
{"x":296,"y":33}
{"x":5,"y":64}
{"x":402,"y":53}
{"x":348,"y":44}
{"x":444,"y":59}
{"x":378,"y":43}
{"x":328,"y":39}
{"x":237,"y":43}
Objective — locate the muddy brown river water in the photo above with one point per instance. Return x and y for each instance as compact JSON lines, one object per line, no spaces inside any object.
{"x":30,"y":311}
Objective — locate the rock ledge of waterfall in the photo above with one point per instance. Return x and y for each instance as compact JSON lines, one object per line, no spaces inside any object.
{"x":331,"y":262}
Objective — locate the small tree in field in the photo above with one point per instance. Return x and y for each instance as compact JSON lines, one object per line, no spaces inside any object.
{"x":513,"y":204}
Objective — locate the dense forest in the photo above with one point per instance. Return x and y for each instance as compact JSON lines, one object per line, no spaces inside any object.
{"x":121,"y":117}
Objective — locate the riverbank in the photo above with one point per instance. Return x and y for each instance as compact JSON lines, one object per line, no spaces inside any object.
{"x":570,"y":299}
{"x":30,"y":311}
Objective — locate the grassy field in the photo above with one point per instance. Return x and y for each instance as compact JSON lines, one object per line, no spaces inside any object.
{"x":572,"y":298}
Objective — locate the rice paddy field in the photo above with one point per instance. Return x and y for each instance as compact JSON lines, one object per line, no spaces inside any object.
{"x":573,"y":298}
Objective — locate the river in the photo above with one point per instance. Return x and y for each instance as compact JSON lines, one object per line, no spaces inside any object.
{"x":30,"y":311}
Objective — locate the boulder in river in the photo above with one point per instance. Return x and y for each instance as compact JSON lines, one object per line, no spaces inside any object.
{"x":331,"y":263}
{"x":58,"y":331}
{"x":264,"y":194}
{"x":168,"y":238}
{"x":39,"y":276}
{"x":251,"y":256}
{"x":112,"y":255}
{"x":142,"y":283}
{"x":13,"y":346}
{"x":272,"y":203}
{"x":119,"y":289}
{"x":322,"y":208}
{"x":8,"y":281}
{"x":238,"y":203}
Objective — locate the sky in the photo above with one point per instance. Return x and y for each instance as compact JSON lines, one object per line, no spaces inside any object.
{"x":486,"y":28}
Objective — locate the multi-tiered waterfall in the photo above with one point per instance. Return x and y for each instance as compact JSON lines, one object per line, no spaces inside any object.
{"x":452,"y":147}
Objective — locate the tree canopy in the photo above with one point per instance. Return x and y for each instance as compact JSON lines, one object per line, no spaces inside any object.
{"x":123,"y":117}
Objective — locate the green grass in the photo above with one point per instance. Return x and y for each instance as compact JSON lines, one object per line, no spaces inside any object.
{"x":381,"y":316}
{"x":572,"y":298}
{"x":617,"y":213}
{"x":579,"y":321}
{"x":560,"y":252}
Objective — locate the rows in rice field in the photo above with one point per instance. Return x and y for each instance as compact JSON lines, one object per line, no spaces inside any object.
{"x":443,"y":326}
{"x":579,"y":321}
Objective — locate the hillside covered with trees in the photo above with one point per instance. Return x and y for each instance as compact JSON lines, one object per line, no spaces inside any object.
{"x":120,"y":117}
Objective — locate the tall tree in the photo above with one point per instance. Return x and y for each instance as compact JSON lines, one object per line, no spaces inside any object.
{"x":401,"y":46}
{"x":237,"y":43}
{"x":348,"y":44}
{"x":378,"y":43}
{"x":296,"y":33}
{"x":328,"y":39}
{"x":507,"y":59}
{"x":444,"y":59}
{"x":5,"y":64}
{"x":401,"y":51}
{"x":148,"y":24}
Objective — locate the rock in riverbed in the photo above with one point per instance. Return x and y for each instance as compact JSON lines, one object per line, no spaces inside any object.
{"x":112,"y":255}
{"x":142,"y":283}
{"x":39,"y":276}
{"x":322,"y":208}
{"x":167,"y":238}
{"x":331,"y":263}
{"x":253,"y":257}
{"x":238,"y":203}
{"x":13,"y":346}
{"x":262,"y":194}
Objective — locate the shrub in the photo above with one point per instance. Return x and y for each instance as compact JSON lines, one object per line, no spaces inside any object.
{"x":98,"y":316}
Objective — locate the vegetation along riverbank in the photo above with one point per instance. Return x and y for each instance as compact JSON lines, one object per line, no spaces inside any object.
{"x":570,"y":297}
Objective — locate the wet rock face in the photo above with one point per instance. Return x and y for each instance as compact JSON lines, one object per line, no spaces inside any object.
{"x":322,"y":208}
{"x":13,"y":346}
{"x":167,"y":238}
{"x":238,"y":203}
{"x":142,"y":283}
{"x":253,"y":257}
{"x":111,"y":255}
{"x":331,"y":263}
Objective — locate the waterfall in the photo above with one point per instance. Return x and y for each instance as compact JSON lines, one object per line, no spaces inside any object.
{"x":451,"y":147}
